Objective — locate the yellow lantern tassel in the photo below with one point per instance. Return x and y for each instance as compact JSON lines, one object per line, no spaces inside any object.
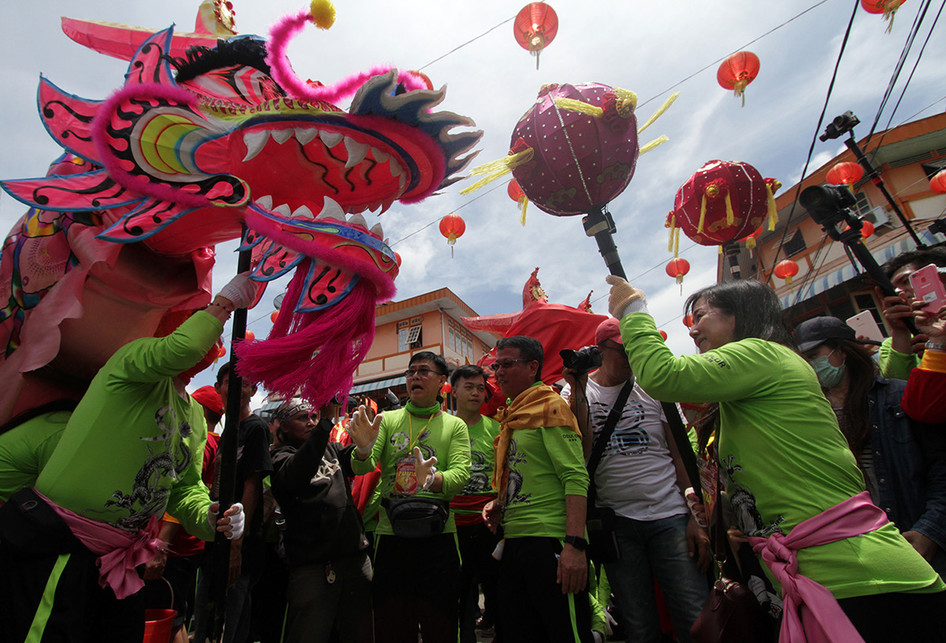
{"x":663,"y":108}
{"x":739,"y":90}
{"x":772,"y":210}
{"x":719,"y":250}
{"x":699,"y":227}
{"x":573,"y":105}
{"x":660,"y":140}
{"x":322,"y":13}
{"x":672,"y":226}
{"x":730,"y":215}
{"x":676,"y":243}
{"x":626,"y":102}
{"x":523,"y":202}
{"x":750,"y":245}
{"x":498,"y":168}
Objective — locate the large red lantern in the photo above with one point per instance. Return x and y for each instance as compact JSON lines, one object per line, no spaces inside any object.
{"x":516,"y":194}
{"x":786,"y":270}
{"x":737,"y":71}
{"x":886,"y":7}
{"x":452,"y":227}
{"x":938,"y":182}
{"x":846,"y":173}
{"x":535,"y":27}
{"x":723,"y":201}
{"x":677,"y":268}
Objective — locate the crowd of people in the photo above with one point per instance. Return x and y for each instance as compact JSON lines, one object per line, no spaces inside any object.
{"x":815,"y":465}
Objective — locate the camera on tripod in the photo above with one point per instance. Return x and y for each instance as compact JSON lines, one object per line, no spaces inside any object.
{"x":582,"y":360}
{"x":840,"y":126}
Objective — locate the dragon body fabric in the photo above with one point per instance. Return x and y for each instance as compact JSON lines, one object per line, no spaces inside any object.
{"x":202,"y":145}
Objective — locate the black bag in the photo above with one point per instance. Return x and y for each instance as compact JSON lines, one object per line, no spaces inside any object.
{"x":731,"y":613}
{"x":599,"y":523}
{"x":414,"y":517}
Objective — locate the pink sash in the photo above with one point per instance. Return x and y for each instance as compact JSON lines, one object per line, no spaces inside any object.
{"x":119,"y":551}
{"x":811,"y":613}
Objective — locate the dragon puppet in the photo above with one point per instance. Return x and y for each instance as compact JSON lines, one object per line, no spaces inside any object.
{"x":212,"y":137}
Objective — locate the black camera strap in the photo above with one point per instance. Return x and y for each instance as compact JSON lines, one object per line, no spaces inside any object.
{"x":684,"y":447}
{"x":605,"y":436}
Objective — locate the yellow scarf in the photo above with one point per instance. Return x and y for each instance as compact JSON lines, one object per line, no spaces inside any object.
{"x":536,"y":407}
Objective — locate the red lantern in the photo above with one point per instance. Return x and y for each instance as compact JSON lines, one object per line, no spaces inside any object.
{"x":938,"y":182}
{"x":750,"y":240}
{"x":249,"y":335}
{"x":273,"y":315}
{"x":535,"y":27}
{"x":737,"y":71}
{"x":452,"y":227}
{"x":688,"y":320}
{"x":446,"y":388}
{"x":221,"y":351}
{"x":886,"y":7}
{"x":786,"y":270}
{"x":678,"y":268}
{"x":723,"y":201}
{"x":846,"y":173}
{"x":516,"y":194}
{"x":663,"y":334}
{"x":867,"y":229}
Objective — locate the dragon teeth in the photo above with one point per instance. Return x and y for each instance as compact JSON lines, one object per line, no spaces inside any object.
{"x":302,"y":211}
{"x":377,"y":231}
{"x":283,"y":210}
{"x":379,"y":156}
{"x":358,"y":220}
{"x":265,"y":202}
{"x":305,"y":135}
{"x":255,"y":141}
{"x":356,"y":152}
{"x":331,"y":210}
{"x":331,"y":139}
{"x":282,"y":135}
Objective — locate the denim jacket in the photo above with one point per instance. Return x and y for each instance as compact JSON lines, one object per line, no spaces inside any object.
{"x":910,"y":464}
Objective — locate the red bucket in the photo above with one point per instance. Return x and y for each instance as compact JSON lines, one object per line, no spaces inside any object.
{"x":158,"y":625}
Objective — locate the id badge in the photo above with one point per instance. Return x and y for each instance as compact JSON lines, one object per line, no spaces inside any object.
{"x":405,"y":480}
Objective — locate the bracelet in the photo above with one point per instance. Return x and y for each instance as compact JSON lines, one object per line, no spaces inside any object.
{"x":429,"y":482}
{"x":225,"y":309}
{"x":935,"y":346}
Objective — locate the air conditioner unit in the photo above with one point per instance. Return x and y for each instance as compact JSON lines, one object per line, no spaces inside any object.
{"x":878,"y":216}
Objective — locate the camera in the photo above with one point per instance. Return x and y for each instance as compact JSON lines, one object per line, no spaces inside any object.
{"x":582,"y":360}
{"x":840,"y":126}
{"x":827,"y":203}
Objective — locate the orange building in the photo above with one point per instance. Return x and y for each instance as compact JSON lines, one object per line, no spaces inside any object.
{"x":828,"y":283}
{"x":428,"y":322}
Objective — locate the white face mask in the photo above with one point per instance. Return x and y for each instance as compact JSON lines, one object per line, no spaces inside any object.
{"x":828,"y":374}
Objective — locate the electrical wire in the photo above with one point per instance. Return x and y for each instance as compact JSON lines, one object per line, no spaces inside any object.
{"x":814,"y":139}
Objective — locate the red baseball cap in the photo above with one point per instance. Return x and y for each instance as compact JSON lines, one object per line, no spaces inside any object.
{"x":608,"y":329}
{"x":208,"y":397}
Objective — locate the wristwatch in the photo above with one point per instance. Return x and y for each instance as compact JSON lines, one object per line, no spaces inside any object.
{"x":577,"y":542}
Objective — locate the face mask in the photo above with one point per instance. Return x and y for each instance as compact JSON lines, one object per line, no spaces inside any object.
{"x":828,"y":374}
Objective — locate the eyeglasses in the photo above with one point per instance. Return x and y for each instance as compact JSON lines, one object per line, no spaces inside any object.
{"x":420,"y":372}
{"x":507,"y":364}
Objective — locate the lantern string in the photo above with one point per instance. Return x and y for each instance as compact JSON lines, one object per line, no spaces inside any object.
{"x":814,"y":138}
{"x":471,"y":40}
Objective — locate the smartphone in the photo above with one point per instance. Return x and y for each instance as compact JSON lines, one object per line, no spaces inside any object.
{"x":928,"y":288}
{"x":865,"y":326}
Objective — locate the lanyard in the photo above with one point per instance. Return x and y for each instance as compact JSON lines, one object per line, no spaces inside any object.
{"x":410,"y":423}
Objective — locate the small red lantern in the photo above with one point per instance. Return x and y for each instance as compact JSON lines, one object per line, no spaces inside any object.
{"x":688,"y":320}
{"x":750,"y":240}
{"x":886,"y":7}
{"x":221,"y":351}
{"x":452,"y":227}
{"x":867,"y":229}
{"x":663,"y":334}
{"x":535,"y":27}
{"x":938,"y":182}
{"x":677,"y":268}
{"x":273,"y":315}
{"x":737,"y":71}
{"x":786,"y":270}
{"x":446,"y":389}
{"x":516,"y":194}
{"x":846,"y":173}
{"x":249,"y":335}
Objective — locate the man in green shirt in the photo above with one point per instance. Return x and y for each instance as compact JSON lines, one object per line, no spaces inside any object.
{"x":417,"y":565}
{"x":542,"y":484}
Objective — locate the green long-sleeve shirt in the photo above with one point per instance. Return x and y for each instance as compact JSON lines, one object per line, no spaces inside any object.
{"x":122,"y":457}
{"x":444,"y":436}
{"x":782,"y":458}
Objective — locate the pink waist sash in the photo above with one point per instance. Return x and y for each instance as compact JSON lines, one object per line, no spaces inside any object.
{"x":811,"y":613}
{"x":119,"y":551}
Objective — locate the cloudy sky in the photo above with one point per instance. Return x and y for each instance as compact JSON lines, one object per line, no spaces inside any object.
{"x":646,"y":47}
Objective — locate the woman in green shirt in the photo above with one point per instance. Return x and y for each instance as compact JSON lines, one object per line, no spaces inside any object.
{"x":781,"y":457}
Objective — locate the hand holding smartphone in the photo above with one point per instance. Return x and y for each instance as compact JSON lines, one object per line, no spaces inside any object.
{"x":865,"y":326}
{"x":928,"y":288}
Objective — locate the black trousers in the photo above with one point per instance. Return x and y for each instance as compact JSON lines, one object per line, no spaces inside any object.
{"x":49,"y":589}
{"x":882,"y":618}
{"x":478,"y":566}
{"x":532,"y":607}
{"x":416,"y":583}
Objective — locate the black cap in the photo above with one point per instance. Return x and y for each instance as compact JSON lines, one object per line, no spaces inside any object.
{"x":814,"y":332}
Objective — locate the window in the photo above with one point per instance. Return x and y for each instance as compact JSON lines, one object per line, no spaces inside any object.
{"x":795,"y":245}
{"x":408,"y":337}
{"x":863,"y":206}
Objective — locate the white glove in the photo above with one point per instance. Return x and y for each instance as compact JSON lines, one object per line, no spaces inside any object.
{"x":424,"y":469}
{"x":233,"y":518}
{"x":625,"y":298}
{"x":363,"y":431}
{"x":240,"y":290}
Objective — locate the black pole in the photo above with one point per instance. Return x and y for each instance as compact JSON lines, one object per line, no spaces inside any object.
{"x":599,"y":224}
{"x":874,"y":176}
{"x":228,"y":456}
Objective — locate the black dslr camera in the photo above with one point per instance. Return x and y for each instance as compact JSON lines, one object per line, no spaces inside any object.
{"x":582,"y":360}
